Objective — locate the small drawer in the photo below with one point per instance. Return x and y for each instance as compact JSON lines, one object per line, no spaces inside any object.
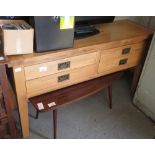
{"x":120,"y":58}
{"x":44,"y":69}
{"x":59,"y":80}
{"x":123,"y":51}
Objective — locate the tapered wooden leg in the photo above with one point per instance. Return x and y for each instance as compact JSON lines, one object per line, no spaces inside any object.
{"x":21,"y":92}
{"x":55,"y":123}
{"x":37,"y":114}
{"x":110,"y":96}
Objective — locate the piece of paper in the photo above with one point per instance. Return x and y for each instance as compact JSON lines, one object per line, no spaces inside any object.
{"x":66,"y":22}
{"x":1,"y":58}
{"x":51,"y":104}
{"x":40,"y":106}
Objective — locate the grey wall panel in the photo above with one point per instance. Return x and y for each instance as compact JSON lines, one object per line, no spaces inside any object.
{"x":145,"y":94}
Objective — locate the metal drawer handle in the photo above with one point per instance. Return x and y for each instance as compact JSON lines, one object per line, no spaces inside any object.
{"x":63,"y":65}
{"x":63,"y":78}
{"x":126,"y":50}
{"x":123,"y":61}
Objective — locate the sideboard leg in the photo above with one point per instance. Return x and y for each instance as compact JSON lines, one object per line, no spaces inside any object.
{"x":110,"y":95}
{"x":21,"y":92}
{"x":37,"y":115}
{"x":55,"y":123}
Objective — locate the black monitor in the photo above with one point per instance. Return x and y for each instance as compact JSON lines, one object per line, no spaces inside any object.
{"x":84,"y":25}
{"x":87,"y":20}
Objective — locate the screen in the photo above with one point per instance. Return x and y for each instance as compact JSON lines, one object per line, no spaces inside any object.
{"x":80,"y":20}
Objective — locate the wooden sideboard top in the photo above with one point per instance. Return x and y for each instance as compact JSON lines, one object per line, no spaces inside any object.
{"x":111,"y":35}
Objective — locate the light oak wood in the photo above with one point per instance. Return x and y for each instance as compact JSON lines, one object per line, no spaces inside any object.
{"x":48,"y":68}
{"x":117,"y":52}
{"x":49,"y":83}
{"x":90,"y":58}
{"x":110,"y":59}
{"x":116,"y":34}
{"x":109,"y":63}
{"x":19,"y":77}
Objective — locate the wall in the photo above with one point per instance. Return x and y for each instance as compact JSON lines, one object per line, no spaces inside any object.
{"x":145,"y":94}
{"x":132,"y":18}
{"x":148,"y":21}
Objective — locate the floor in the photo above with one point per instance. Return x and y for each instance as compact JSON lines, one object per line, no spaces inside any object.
{"x":91,"y":118}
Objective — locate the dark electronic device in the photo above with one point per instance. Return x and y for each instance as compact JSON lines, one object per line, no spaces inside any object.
{"x":84,"y":25}
{"x":48,"y":35}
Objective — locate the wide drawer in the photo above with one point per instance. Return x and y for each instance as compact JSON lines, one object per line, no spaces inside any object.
{"x":121,"y":58}
{"x":53,"y":67}
{"x":59,"y":80}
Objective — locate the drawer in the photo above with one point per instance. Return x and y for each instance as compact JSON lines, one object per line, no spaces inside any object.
{"x":59,"y":80}
{"x":53,"y":67}
{"x":121,"y":58}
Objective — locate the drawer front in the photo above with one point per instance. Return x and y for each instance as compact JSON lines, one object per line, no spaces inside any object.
{"x":48,"y":68}
{"x":121,"y":58}
{"x":59,"y":80}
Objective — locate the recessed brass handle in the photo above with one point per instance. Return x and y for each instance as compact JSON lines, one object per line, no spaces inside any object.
{"x":126,"y":50}
{"x":63,"y":65}
{"x":123,"y":61}
{"x":63,"y":78}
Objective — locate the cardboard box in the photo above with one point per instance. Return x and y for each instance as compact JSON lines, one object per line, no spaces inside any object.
{"x":19,"y":41}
